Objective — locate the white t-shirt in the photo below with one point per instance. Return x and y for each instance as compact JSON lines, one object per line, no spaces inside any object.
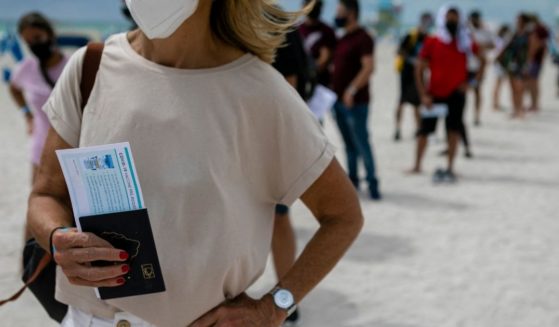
{"x":216,"y":150}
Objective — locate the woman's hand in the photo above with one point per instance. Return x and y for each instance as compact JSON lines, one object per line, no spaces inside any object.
{"x":75,"y":251}
{"x":243,"y":311}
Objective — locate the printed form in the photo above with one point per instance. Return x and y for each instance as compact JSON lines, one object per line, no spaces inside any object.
{"x":101,"y":179}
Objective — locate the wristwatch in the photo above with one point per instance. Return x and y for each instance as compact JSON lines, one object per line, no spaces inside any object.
{"x":284,"y":300}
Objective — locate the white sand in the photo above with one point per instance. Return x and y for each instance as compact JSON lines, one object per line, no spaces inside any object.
{"x":483,"y":253}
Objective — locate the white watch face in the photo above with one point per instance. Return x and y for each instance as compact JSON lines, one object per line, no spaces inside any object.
{"x":284,"y":299}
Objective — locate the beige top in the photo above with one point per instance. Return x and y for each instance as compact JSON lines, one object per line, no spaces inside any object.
{"x":215,"y":150}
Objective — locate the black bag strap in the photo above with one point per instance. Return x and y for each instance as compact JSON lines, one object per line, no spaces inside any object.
{"x":91,"y":63}
{"x":45,"y":260}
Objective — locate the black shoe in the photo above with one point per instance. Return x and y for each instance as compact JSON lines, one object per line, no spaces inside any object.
{"x":355,"y":183}
{"x":293,"y":319}
{"x":468,"y":154}
{"x":450,"y":177}
{"x":375,"y":194}
{"x":443,"y":153}
{"x":439,"y":176}
{"x":397,"y":136}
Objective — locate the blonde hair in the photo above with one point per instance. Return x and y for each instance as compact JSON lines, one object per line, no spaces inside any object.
{"x":254,"y":26}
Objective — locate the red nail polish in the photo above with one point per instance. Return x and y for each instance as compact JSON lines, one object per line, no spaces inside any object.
{"x":123,"y":255}
{"x":120,"y":281}
{"x":125,"y":268}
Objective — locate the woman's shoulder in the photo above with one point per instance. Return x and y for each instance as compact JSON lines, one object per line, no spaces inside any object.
{"x":267,"y":83}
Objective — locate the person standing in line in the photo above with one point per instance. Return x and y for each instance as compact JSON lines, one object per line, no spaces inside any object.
{"x":445,"y":56}
{"x":407,"y":57}
{"x":319,"y":41}
{"x":537,"y":51}
{"x":500,"y":42}
{"x":33,"y":80}
{"x":291,"y":62}
{"x":514,"y":59}
{"x":219,"y":138}
{"x":353,"y":67}
{"x":485,"y":41}
{"x":555,"y":56}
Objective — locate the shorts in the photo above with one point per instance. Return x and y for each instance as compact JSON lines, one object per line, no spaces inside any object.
{"x":472,"y":75}
{"x":282,"y":210}
{"x":408,"y":88}
{"x":456,"y":103}
{"x":534,"y":70}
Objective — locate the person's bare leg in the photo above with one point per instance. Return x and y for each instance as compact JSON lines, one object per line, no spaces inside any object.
{"x":283,"y":245}
{"x":517,"y":89}
{"x":521,"y":89}
{"x":477,"y":93}
{"x":453,"y":142}
{"x":421,"y":147}
{"x":534,"y":88}
{"x":417,"y":115}
{"x":497,"y":94}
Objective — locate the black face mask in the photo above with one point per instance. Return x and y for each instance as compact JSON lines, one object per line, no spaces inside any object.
{"x":340,"y":22}
{"x":452,"y":28}
{"x":126,"y":12}
{"x":42,"y":50}
{"x":315,"y":12}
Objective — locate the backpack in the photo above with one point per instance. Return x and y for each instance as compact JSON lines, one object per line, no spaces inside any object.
{"x":39,"y":272}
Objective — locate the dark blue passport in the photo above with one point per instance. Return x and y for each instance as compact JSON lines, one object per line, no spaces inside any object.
{"x":129,"y":231}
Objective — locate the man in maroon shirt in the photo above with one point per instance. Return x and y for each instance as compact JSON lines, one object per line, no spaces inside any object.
{"x":445,"y":55}
{"x":353,"y":66}
{"x":320,"y":42}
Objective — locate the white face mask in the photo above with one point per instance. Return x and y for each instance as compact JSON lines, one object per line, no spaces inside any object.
{"x":158,"y":19}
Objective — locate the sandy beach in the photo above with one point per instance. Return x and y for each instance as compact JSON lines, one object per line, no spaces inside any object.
{"x":482,"y":253}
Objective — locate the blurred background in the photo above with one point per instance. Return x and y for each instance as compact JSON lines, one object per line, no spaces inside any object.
{"x":482,"y":253}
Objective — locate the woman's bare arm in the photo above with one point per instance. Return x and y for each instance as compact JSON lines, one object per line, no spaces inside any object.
{"x":17,"y":95}
{"x":19,"y":99}
{"x":49,"y":202}
{"x":333,"y":201}
{"x":50,"y":207}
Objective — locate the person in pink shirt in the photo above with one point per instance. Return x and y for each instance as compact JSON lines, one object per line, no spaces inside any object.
{"x":34,"y":78}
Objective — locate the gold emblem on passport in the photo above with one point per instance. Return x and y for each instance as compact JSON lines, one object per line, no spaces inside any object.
{"x":148,"y":271}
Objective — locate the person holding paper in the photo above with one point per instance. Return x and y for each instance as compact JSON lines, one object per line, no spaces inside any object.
{"x":219,"y":138}
{"x":445,"y":55}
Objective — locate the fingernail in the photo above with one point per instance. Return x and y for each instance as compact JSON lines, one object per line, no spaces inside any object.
{"x":125,"y":268}
{"x":120,"y":281}
{"x":123,"y":255}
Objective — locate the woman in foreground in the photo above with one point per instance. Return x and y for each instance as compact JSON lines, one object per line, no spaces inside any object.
{"x":219,"y":139}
